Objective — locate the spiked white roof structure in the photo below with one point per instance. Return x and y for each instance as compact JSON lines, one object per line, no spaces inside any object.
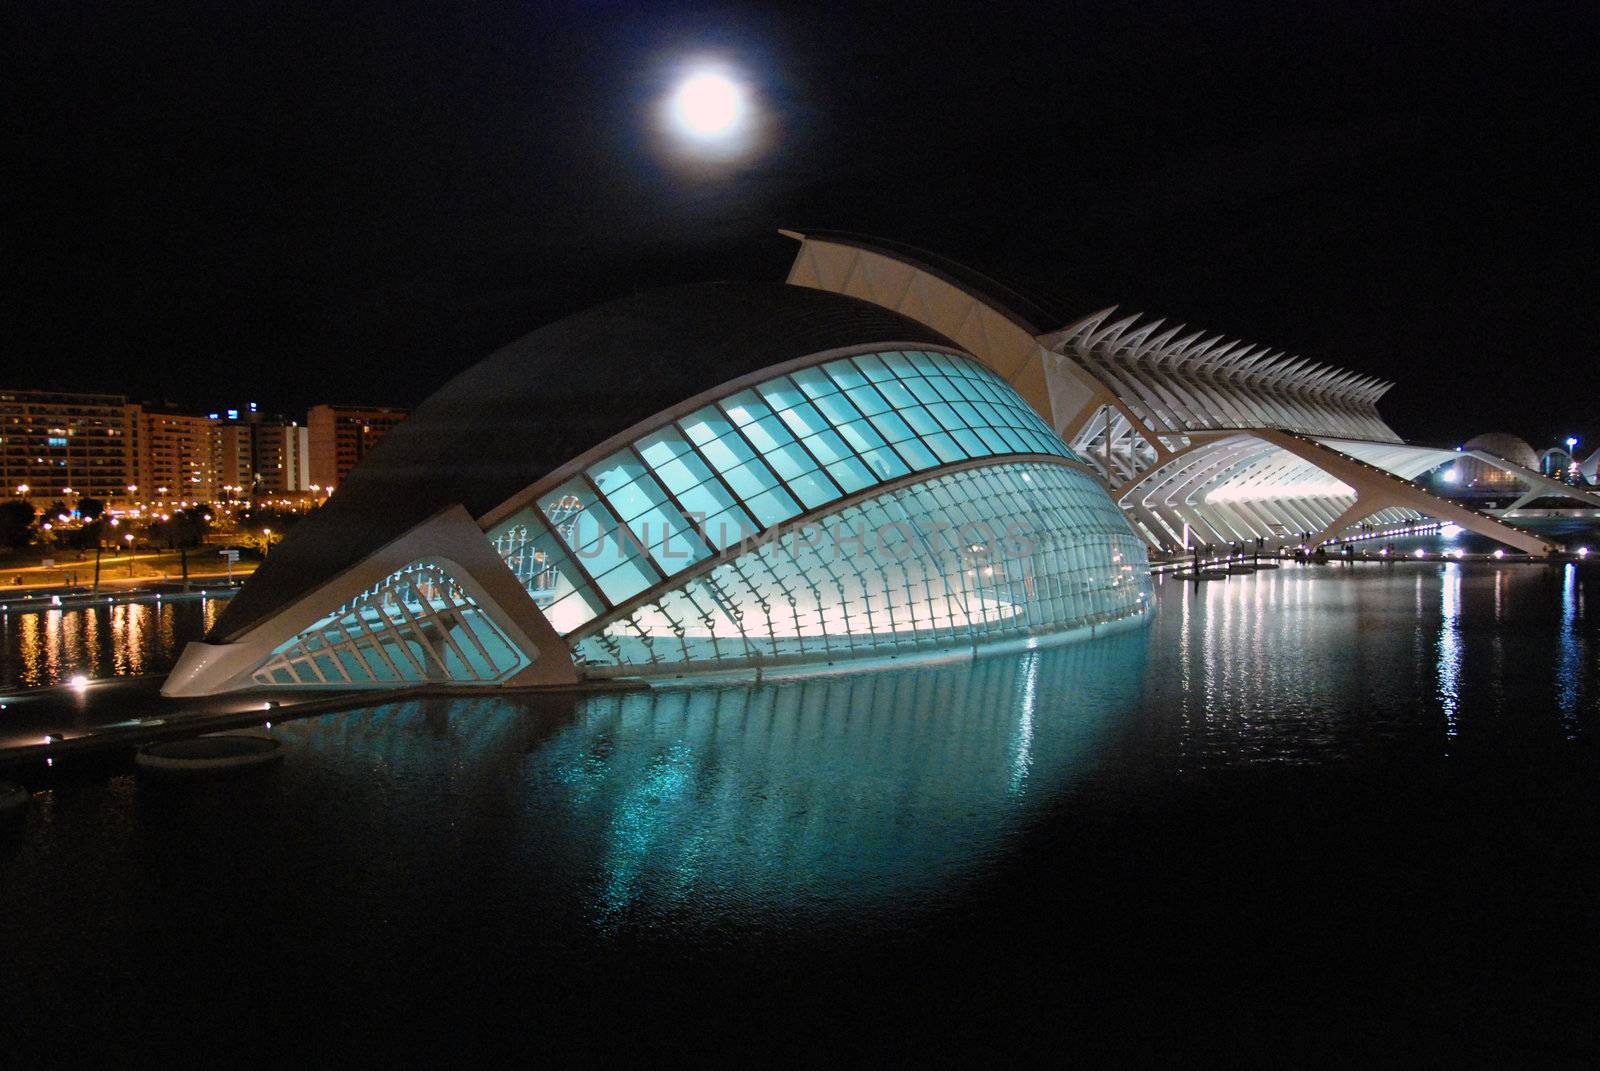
{"x":1201,"y":438}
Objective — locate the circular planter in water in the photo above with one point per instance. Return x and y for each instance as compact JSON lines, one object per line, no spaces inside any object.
{"x":208,"y":756}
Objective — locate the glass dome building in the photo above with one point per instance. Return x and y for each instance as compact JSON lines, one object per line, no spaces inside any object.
{"x":747,"y":479}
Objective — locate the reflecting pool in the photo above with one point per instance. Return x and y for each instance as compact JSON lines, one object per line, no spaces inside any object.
{"x":1344,"y":809}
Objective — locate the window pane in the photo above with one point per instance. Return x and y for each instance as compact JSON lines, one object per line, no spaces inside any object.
{"x":885,"y":462}
{"x":945,"y":447}
{"x":813,"y":489}
{"x":772,"y":507}
{"x":918,"y":455}
{"x":768,"y":433}
{"x":845,"y":374}
{"x":837,"y":409}
{"x":750,"y":480}
{"x":873,"y":367}
{"x":891,"y":427}
{"x":745,"y":407}
{"x":868,"y":400}
{"x":897,"y":393}
{"x":727,"y":452}
{"x":626,"y":580}
{"x":684,"y":472}
{"x":852,"y":475}
{"x":662,"y":446}
{"x":828,"y":446}
{"x":726,"y":529}
{"x":707,"y":498}
{"x":704,"y":425}
{"x":805,"y":420}
{"x":920,"y":420}
{"x":814,"y":382}
{"x":861,"y":436}
{"x":781,"y":394}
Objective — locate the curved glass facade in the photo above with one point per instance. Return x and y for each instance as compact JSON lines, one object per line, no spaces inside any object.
{"x":966,"y":557}
{"x":752,"y":460}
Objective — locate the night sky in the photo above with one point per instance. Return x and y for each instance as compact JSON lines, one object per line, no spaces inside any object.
{"x":350,"y":202}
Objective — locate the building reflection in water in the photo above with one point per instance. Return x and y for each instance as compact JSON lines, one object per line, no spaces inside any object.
{"x":1570,"y":645}
{"x":1314,"y":664}
{"x":821,"y":796}
{"x":45,"y":647}
{"x":1450,"y":647}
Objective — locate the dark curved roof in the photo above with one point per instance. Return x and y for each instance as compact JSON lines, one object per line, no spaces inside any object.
{"x":546,"y":398}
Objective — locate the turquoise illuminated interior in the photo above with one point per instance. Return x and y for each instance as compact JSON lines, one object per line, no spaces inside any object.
{"x":969,"y":557}
{"x":756,"y":458}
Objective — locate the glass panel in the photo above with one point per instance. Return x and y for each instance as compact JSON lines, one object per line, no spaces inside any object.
{"x":845,"y":374}
{"x":769,"y":433}
{"x":804,"y":420}
{"x":772,"y":507}
{"x":662,"y":446}
{"x":626,"y":579}
{"x":745,"y":407}
{"x":814,"y":382}
{"x":704,"y":425}
{"x":1011,"y":550}
{"x":872,"y":367}
{"x":727,"y":452}
{"x":852,"y":475}
{"x":827,"y":446}
{"x":781,"y":394}
{"x":789,"y":461}
{"x":813,"y":489}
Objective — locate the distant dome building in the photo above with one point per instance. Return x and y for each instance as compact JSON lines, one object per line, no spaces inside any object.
{"x":1513,"y":448}
{"x":1473,"y":474}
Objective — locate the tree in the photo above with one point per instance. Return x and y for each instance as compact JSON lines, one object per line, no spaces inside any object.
{"x":16,"y":524}
{"x":183,"y":528}
{"x":85,"y":536}
{"x":90,"y":509}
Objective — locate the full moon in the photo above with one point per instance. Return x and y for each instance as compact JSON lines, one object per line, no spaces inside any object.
{"x":707,"y":105}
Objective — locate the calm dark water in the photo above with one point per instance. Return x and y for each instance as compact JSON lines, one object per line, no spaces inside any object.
{"x":1339,"y":812}
{"x":48,"y":647}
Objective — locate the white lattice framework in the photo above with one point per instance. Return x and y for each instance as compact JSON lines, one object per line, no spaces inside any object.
{"x":418,"y":625}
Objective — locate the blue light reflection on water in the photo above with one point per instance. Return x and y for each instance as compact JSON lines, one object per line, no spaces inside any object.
{"x":875,"y":792}
{"x":1259,"y":786}
{"x":735,"y":803}
{"x":694,"y":806}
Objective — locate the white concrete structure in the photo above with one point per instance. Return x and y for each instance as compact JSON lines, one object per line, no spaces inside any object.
{"x":1200,"y":438}
{"x":732,"y":478}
